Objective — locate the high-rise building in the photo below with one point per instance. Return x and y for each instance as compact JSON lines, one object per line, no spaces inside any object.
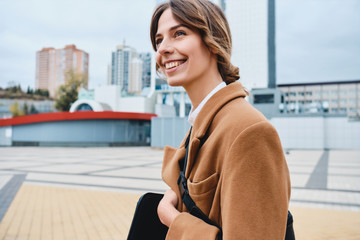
{"x":146,"y":69}
{"x":121,"y":66}
{"x":135,"y":83}
{"x":52,"y":65}
{"x":130,"y":70}
{"x":252,"y":25}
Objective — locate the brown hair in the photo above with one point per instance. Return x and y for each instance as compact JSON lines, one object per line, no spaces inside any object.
{"x":209,"y":20}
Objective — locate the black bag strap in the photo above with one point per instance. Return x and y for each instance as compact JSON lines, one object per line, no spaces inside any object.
{"x":184,"y":192}
{"x":195,"y":211}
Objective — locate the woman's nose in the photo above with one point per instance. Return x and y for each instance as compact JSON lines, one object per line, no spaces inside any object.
{"x":165,"y":48}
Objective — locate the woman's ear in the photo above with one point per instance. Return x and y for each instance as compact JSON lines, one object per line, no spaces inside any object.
{"x":213,"y":51}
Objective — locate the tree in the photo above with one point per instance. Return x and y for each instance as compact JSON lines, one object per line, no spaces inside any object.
{"x":29,"y":91}
{"x":68,"y":92}
{"x":15,"y":110}
{"x":25,"y":109}
{"x":42,"y":92}
{"x":33,"y":109}
{"x":15,"y":90}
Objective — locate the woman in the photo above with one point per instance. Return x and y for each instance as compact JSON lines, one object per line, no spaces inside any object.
{"x":238,"y":175}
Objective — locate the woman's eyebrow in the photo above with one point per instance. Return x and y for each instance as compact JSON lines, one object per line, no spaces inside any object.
{"x":172,"y":29}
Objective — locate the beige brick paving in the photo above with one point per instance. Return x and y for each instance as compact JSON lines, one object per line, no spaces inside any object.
{"x":46,"y":213}
{"x":65,"y":205}
{"x":323,"y":224}
{"x":43,"y":212}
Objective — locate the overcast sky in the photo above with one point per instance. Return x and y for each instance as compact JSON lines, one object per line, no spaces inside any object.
{"x":317,"y":40}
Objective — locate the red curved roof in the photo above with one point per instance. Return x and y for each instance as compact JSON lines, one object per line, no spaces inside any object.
{"x":67,"y":116}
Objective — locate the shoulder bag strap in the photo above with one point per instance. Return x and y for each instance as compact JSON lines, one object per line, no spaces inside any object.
{"x":185,"y":196}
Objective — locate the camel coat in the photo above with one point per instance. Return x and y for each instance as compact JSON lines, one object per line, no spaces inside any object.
{"x":239,"y":177}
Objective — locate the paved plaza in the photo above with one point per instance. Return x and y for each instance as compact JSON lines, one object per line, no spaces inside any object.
{"x":91,"y":193}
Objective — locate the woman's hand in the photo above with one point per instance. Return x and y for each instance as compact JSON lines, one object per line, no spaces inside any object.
{"x":167,"y":208}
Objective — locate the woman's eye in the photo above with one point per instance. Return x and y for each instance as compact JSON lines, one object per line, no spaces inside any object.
{"x":158,"y":42}
{"x":179,"y":33}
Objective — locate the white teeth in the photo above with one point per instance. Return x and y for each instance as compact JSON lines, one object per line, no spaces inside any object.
{"x":172,"y":64}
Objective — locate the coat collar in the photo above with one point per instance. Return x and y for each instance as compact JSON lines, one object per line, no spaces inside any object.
{"x":207,"y":114}
{"x":213,"y":106}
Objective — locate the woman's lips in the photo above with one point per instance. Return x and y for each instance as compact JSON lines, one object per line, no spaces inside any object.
{"x":173,"y":66}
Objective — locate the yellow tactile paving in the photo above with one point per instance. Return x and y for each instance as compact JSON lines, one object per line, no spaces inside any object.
{"x":47,"y":213}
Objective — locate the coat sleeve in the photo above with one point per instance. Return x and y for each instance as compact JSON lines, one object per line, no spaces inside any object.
{"x":187,"y":227}
{"x":255,"y":191}
{"x":255,"y":186}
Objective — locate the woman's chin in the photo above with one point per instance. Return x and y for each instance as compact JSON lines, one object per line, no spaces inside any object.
{"x":175,"y":82}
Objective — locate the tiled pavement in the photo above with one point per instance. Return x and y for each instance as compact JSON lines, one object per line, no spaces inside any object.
{"x":91,"y":193}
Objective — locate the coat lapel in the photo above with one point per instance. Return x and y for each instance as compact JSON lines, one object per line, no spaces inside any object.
{"x":194,"y":148}
{"x":171,"y":169}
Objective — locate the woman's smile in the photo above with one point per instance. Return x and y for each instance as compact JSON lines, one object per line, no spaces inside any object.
{"x":172,"y":66}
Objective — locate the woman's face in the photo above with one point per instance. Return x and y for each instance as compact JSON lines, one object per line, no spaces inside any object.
{"x":181,"y":54}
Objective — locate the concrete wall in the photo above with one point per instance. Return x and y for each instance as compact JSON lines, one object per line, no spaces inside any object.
{"x":318,"y":132}
{"x":342,"y":134}
{"x":5,"y":136}
{"x":295,"y":132}
{"x":136,"y":104}
{"x":110,"y":97}
{"x":168,"y":131}
{"x":300,"y":132}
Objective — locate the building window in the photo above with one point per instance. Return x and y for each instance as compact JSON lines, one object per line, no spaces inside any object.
{"x":325,"y":93}
{"x":308,"y":93}
{"x":84,"y":107}
{"x":342,"y":110}
{"x":301,"y":93}
{"x":264,"y":98}
{"x":334,"y":92}
{"x":293,"y":94}
{"x":343,"y":92}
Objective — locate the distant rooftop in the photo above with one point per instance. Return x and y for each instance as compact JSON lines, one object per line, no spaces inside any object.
{"x":319,"y":83}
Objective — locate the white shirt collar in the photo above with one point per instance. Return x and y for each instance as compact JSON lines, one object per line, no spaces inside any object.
{"x":194,"y":112}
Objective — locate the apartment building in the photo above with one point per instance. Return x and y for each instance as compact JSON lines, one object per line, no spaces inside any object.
{"x":52,"y":65}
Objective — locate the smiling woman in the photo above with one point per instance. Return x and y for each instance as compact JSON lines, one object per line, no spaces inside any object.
{"x":204,"y":51}
{"x":184,"y":59}
{"x":229,"y":178}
